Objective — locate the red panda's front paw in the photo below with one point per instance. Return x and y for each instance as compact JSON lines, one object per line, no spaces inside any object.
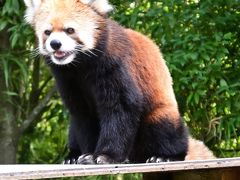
{"x":104,"y":159}
{"x":91,"y":159}
{"x":85,"y":159}
{"x":155,"y":159}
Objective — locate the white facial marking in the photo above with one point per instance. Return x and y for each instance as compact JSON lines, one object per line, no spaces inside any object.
{"x":39,"y":33}
{"x":68,"y":60}
{"x":41,"y":45}
{"x":85,"y":31}
{"x":87,"y":35}
{"x":68,"y":44}
{"x":67,"y":48}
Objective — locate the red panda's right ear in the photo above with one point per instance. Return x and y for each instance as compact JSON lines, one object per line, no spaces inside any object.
{"x":102,"y":6}
{"x":32,"y":6}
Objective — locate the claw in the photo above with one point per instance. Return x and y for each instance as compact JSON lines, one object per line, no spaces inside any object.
{"x":73,"y":161}
{"x":159,"y":160}
{"x":103,"y":159}
{"x":67,"y":161}
{"x":155,"y":159}
{"x":151,"y":160}
{"x":85,"y":159}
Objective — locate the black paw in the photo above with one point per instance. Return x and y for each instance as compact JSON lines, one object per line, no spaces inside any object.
{"x":91,"y":159}
{"x":85,"y":159}
{"x":155,"y":159}
{"x":104,"y":159}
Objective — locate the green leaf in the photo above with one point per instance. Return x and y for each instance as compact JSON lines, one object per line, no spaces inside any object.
{"x":228,"y":36}
{"x":11,"y":93}
{"x":223,"y":83}
{"x":3,"y":25}
{"x":205,"y":56}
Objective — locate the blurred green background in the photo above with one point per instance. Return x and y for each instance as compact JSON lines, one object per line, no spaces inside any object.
{"x":200,"y":40}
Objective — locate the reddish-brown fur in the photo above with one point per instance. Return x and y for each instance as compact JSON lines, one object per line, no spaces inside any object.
{"x":150,"y":74}
{"x":57,"y":25}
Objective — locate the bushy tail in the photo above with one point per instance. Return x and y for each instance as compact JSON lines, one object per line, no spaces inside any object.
{"x":197,"y":150}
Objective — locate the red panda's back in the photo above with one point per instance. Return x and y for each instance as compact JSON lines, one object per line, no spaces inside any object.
{"x":152,"y":75}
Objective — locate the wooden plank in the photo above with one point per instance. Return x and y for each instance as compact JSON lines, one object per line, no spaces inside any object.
{"x":197,"y":174}
{"x":54,"y":171}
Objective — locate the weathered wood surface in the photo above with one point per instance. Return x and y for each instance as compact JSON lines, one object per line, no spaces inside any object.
{"x":180,"y":170}
{"x":198,"y":174}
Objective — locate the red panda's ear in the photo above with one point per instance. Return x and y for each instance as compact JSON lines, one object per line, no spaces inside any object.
{"x":102,"y":6}
{"x":32,"y":6}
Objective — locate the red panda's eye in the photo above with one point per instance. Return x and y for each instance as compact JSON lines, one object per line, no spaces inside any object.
{"x":70,"y":30}
{"x":47,"y":32}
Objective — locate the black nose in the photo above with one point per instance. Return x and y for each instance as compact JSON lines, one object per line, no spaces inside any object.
{"x":55,"y":44}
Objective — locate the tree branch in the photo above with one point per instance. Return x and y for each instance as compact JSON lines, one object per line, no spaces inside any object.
{"x":33,"y":115}
{"x":44,"y":84}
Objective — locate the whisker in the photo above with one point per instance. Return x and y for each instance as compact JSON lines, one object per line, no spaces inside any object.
{"x":35,"y":53}
{"x":80,"y":46}
{"x":98,"y":50}
{"x":72,"y":63}
{"x":49,"y":62}
{"x":84,"y":53}
{"x":91,"y":52}
{"x":80,"y":50}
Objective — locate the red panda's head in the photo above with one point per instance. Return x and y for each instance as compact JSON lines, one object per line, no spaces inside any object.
{"x":66,"y":27}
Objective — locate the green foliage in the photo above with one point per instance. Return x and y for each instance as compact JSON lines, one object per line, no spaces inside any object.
{"x":46,"y":142}
{"x":199,"y":40}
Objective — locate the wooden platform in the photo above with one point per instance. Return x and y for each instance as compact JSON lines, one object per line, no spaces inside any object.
{"x":222,"y":169}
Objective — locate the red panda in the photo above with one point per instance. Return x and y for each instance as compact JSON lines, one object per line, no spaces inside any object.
{"x":113,"y":81}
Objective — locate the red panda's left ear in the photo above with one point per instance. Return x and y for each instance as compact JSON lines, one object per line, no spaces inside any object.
{"x":102,"y":6}
{"x":32,"y":6}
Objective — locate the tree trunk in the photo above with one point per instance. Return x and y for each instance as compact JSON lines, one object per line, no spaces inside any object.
{"x":8,"y":141}
{"x":8,"y":126}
